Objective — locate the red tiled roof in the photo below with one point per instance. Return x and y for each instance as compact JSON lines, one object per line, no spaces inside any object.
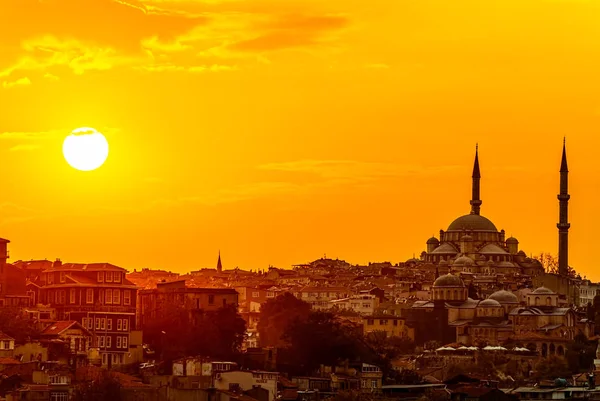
{"x":9,"y":361}
{"x":87,"y":267}
{"x":5,"y":337}
{"x":58,"y":327}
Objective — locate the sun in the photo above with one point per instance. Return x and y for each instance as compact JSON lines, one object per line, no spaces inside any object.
{"x":85,"y":149}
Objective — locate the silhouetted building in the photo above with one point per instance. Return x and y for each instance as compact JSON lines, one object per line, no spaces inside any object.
{"x":156,"y":302}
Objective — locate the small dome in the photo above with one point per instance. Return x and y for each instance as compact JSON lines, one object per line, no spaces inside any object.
{"x":521,"y":253}
{"x":542,"y":290}
{"x":446,"y":249}
{"x":433,"y":240}
{"x":463,"y":261}
{"x":482,"y":258}
{"x":506,"y":264}
{"x":512,"y":240}
{"x":473,"y":222}
{"x":443,"y":262}
{"x":492,"y":249}
{"x":466,"y":238}
{"x":490,"y":262}
{"x":448,"y":280}
{"x":505,"y":297}
{"x":490,"y":303}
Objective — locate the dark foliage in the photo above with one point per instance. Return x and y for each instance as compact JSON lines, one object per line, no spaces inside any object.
{"x":276,"y":315}
{"x":104,"y":387}
{"x":18,"y":326}
{"x":180,"y":333}
{"x":581,"y":354}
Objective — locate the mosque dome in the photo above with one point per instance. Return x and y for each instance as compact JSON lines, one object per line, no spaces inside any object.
{"x":490,"y":303}
{"x":504,"y":296}
{"x":474,"y":222}
{"x":448,"y":280}
{"x":543,"y":291}
{"x":512,"y":240}
{"x":433,"y":240}
{"x":463,"y":261}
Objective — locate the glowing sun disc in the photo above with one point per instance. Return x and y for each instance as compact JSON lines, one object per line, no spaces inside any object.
{"x":85,"y":149}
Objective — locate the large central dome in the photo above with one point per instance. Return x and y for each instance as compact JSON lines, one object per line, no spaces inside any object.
{"x":474,"y":222}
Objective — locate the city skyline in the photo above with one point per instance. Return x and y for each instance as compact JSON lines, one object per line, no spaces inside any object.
{"x":277,"y":134}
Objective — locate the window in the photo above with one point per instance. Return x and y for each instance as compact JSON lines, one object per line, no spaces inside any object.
{"x":119,"y":325}
{"x":370,"y":322}
{"x":395,"y":322}
{"x":84,"y":322}
{"x":116,"y":297}
{"x":211,"y":299}
{"x":383,"y":322}
{"x":109,"y":296}
{"x":117,"y":277}
{"x":127,"y":297}
{"x":124,"y":342}
{"x":103,"y":324}
{"x":62,"y":277}
{"x":109,"y":324}
{"x":373,"y":383}
{"x":108,"y":341}
{"x":89,"y":296}
{"x":97,"y":323}
{"x":59,"y":380}
{"x":100,"y":277}
{"x":125,"y":324}
{"x":72,"y":295}
{"x":62,"y":396}
{"x":50,"y":278}
{"x":108,"y":277}
{"x":101,"y":341}
{"x":119,"y":342}
{"x":255,"y":294}
{"x":62,"y":297}
{"x":105,"y":359}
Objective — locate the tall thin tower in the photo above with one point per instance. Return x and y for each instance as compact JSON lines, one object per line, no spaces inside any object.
{"x":475,"y":197}
{"x":563,"y":221}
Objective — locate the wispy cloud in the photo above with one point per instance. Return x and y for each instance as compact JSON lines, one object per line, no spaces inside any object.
{"x":377,"y":66}
{"x":19,"y":82}
{"x":25,"y":147}
{"x":179,"y":36}
{"x":349,"y":169}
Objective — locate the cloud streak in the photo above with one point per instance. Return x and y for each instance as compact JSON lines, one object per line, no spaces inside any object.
{"x":159,"y":36}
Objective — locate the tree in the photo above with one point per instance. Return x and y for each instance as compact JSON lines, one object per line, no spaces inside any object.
{"x":552,"y":368}
{"x":17,"y":325}
{"x":580,"y":354}
{"x":548,"y":261}
{"x":408,"y":376}
{"x":321,"y":339}
{"x":276,"y":315}
{"x":104,"y":387}
{"x":383,"y":350}
{"x":179,"y":332}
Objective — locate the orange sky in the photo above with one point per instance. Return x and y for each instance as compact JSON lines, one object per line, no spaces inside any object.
{"x":280,"y":130}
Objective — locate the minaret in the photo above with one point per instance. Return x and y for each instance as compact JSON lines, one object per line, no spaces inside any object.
{"x":563,"y":222}
{"x":219,"y":265}
{"x":475,"y":199}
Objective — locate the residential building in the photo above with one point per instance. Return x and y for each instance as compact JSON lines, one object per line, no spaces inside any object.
{"x":248,"y":380}
{"x":155,"y":302}
{"x":7,"y":345}
{"x":68,"y":342}
{"x":100,"y":298}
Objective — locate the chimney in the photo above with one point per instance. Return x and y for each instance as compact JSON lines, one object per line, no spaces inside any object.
{"x":57,"y":263}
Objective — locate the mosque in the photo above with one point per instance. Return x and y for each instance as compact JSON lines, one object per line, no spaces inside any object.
{"x":473,"y":244}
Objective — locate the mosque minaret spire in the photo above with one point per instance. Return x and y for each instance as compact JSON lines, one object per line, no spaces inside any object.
{"x":476,"y":198}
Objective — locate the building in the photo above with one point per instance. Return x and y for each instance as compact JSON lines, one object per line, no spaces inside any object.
{"x":365,"y":304}
{"x":472,"y":243}
{"x":7,"y":346}
{"x":154,"y":303}
{"x":67,"y":342}
{"x":99,"y":297}
{"x":247,"y":381}
{"x":587,"y":292}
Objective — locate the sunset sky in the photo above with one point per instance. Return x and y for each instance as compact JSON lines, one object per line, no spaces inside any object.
{"x":277,"y":131}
